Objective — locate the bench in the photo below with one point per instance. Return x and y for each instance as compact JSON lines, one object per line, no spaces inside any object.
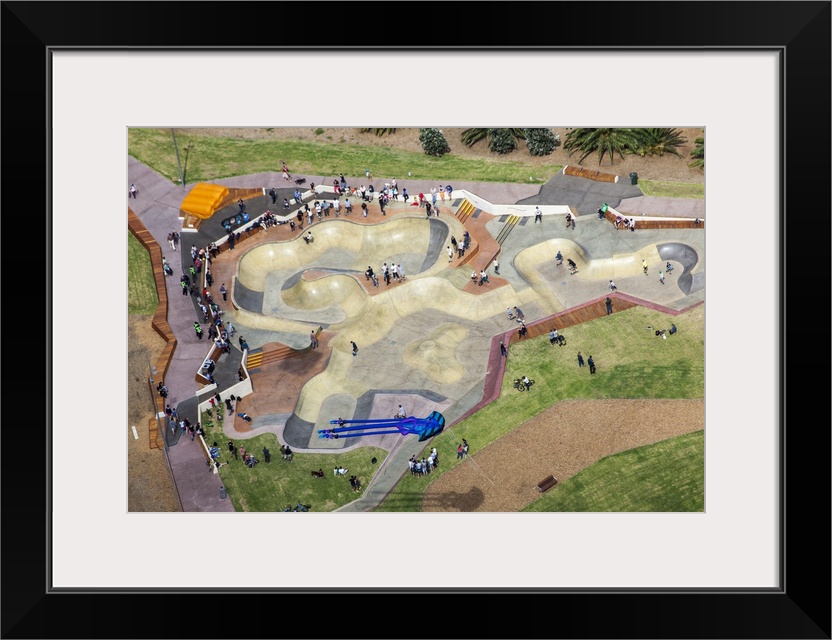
{"x":547,"y":483}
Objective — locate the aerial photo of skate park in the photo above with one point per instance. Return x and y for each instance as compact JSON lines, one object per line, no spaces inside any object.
{"x":358,"y":320}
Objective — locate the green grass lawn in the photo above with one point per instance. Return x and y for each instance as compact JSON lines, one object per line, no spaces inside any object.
{"x":664,"y":477}
{"x":632,"y":363}
{"x":211,"y":158}
{"x":141,"y":288}
{"x":270,"y":487}
{"x":672,"y":189}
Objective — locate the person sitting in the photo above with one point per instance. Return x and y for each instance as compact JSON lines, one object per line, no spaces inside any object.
{"x":522,"y":331}
{"x":340,"y":471}
{"x":572,"y":266}
{"x":668,"y":267}
{"x":672,"y":329}
{"x":473,"y":276}
{"x":553,"y":336}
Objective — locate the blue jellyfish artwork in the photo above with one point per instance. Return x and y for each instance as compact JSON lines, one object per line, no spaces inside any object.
{"x":423,"y":427}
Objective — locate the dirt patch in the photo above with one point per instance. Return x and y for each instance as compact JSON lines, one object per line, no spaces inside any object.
{"x":149,"y":488}
{"x":668,"y":168}
{"x":561,"y":441}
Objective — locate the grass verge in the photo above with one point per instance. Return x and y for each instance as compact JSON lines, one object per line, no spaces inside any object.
{"x":142,"y":298}
{"x":271,"y":487}
{"x":210,"y":158}
{"x":672,"y":189}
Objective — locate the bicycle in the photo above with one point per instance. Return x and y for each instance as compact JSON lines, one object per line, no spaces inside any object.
{"x":520,"y":385}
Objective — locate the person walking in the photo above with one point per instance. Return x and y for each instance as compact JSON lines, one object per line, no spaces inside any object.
{"x":267,"y":455}
{"x":608,"y":302}
{"x":171,"y":242}
{"x":198,"y":330}
{"x":644,"y":266}
{"x":273,"y":195}
{"x":496,"y":267}
{"x":580,"y":360}
{"x":538,"y":215}
{"x":661,"y":276}
{"x":354,"y":348}
{"x":612,"y":286}
{"x":503,"y":350}
{"x":450,"y":254}
{"x":591,"y":364}
{"x":224,"y":292}
{"x":134,"y":192}
{"x":459,"y":451}
{"x":313,"y":339}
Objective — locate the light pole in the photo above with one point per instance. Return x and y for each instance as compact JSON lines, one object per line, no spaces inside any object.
{"x":179,"y":164}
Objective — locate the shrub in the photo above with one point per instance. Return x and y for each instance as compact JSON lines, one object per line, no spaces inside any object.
{"x":433,"y":142}
{"x":541,"y":142}
{"x":502,"y":141}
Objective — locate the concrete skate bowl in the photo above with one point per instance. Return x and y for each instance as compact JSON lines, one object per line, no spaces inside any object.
{"x":340,"y":247}
{"x":686,"y":255}
{"x":537,"y":264}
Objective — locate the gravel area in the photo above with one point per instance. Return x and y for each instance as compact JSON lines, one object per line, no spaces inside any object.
{"x":560,"y":441}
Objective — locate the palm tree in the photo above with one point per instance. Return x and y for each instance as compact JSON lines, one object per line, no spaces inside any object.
{"x":470,"y":137}
{"x":604,"y":141}
{"x":698,"y":154}
{"x":657,"y":142}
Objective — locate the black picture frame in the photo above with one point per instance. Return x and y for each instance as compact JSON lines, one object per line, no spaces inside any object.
{"x":800,"y":608}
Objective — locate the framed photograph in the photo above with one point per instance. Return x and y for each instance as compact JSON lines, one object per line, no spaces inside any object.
{"x":748,"y":73}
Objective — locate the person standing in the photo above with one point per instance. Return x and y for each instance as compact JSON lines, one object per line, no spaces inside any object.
{"x":198,"y":330}
{"x":591,"y":364}
{"x":661,"y":276}
{"x":171,"y":242}
{"x":313,"y":339}
{"x":450,"y":254}
{"x":459,"y":451}
{"x":273,"y":195}
{"x":405,"y":197}
{"x":538,"y":215}
{"x":612,"y":286}
{"x":354,"y":348}
{"x":503,"y":350}
{"x":267,"y":455}
{"x":224,"y":292}
{"x":496,"y":267}
{"x":644,"y":266}
{"x":608,"y":302}
{"x":580,"y":360}
{"x":464,"y":448}
{"x":134,"y":192}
